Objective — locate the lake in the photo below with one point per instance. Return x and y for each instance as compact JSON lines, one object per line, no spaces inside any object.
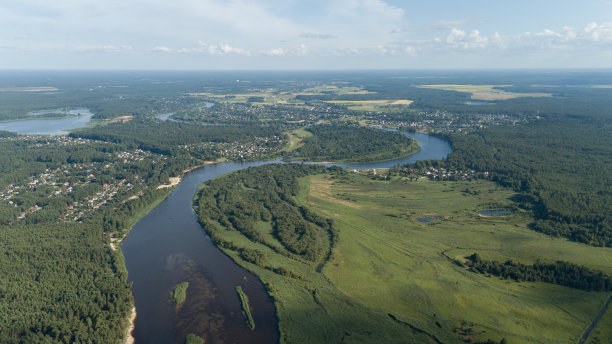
{"x":58,"y":126}
{"x":494,"y":212}
{"x":166,"y":116}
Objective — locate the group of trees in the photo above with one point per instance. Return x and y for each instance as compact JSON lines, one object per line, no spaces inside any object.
{"x":171,"y":138}
{"x":353,"y":143}
{"x":243,"y":200}
{"x":60,"y":282}
{"x":561,"y":273}
{"x":560,"y":166}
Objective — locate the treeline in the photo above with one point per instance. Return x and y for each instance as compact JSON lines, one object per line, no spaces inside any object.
{"x":259,"y":200}
{"x":560,"y":166}
{"x":560,"y":273}
{"x":171,"y":138}
{"x":353,"y":143}
{"x":61,"y":284}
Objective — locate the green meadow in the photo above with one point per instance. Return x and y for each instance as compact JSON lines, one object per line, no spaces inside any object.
{"x":392,"y":279}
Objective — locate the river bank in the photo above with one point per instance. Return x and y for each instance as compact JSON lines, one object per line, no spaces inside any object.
{"x":168,"y":246}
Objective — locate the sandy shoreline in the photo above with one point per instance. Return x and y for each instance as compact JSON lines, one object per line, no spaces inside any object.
{"x":174,"y":181}
{"x":129,"y":339}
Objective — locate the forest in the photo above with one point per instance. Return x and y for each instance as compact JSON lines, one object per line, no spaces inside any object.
{"x":560,"y":165}
{"x":300,"y":233}
{"x":354,"y":143}
{"x":185,"y":139}
{"x":561,"y":273}
{"x":61,"y":201}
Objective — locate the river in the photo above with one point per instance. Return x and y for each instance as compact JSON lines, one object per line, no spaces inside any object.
{"x":168,"y":246}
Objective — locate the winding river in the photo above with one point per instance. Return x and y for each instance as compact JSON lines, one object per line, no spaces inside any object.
{"x":168,"y":246}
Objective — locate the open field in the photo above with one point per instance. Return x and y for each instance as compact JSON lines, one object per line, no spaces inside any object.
{"x":602,"y":333}
{"x":397,"y":277}
{"x":274,"y":96}
{"x":340,"y":90}
{"x":270,"y":97}
{"x":486,"y":92}
{"x":385,"y":255}
{"x":295,"y":139}
{"x":369,"y":105}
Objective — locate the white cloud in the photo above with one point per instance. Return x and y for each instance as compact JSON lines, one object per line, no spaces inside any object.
{"x":473,"y":40}
{"x":224,"y":49}
{"x":276,"y":52}
{"x":410,"y":51}
{"x":302,"y":50}
{"x":162,"y":49}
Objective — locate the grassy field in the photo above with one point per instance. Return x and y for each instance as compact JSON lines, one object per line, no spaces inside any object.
{"x":602,"y":333}
{"x":370,"y":105}
{"x":335,"y":89}
{"x":486,"y":92}
{"x":385,"y":255}
{"x":273,"y":96}
{"x":295,"y":139}
{"x":392,"y":278}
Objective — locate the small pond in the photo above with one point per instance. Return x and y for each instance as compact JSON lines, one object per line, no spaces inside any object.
{"x":494,"y":212}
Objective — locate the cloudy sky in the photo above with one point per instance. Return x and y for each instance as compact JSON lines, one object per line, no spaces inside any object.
{"x":304,"y":34}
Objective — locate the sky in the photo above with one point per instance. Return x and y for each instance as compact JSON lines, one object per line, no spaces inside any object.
{"x":305,"y":34}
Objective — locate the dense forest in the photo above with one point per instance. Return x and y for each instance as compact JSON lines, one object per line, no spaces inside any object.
{"x":559,"y":165}
{"x":61,"y":284}
{"x":61,"y":201}
{"x":265,"y":197}
{"x":180,"y":139}
{"x":353,"y":143}
{"x":561,"y":273}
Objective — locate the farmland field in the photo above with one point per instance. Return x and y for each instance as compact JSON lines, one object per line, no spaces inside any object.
{"x":486,"y":92}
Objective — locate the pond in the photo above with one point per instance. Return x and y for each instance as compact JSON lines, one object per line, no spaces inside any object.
{"x":494,"y":212}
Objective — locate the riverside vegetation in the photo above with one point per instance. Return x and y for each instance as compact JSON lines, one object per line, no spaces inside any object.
{"x":66,"y":201}
{"x":357,"y":264}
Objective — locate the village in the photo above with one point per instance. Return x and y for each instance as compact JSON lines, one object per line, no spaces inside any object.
{"x":71,"y":192}
{"x":415,"y":172}
{"x":444,"y":121}
{"x":255,"y":148}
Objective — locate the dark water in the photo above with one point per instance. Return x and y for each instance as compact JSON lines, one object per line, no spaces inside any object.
{"x":49,"y":126}
{"x":168,"y":246}
{"x":432,"y":148}
{"x":495,"y":212}
{"x":166,"y":116}
{"x":428,"y":219}
{"x":473,"y":103}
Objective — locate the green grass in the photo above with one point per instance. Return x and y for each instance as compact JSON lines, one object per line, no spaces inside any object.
{"x":381,"y":244}
{"x":602,"y":333}
{"x":246,"y":309}
{"x":179,"y":293}
{"x":193,"y":339}
{"x":387,"y":263}
{"x":295,"y":139}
